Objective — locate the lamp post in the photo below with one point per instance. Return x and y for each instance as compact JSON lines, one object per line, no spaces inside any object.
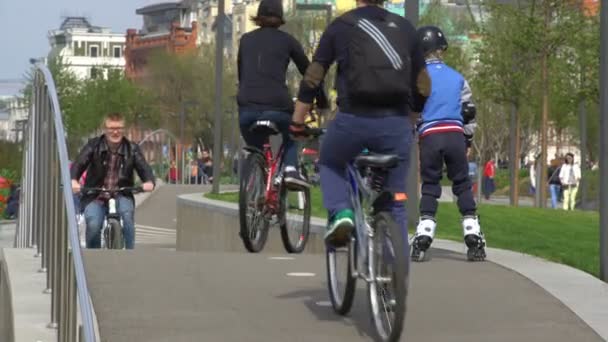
{"x":217,"y":132}
{"x":412,"y":9}
{"x":604,"y":141}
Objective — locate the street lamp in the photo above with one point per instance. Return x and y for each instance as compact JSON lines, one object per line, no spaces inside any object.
{"x":217,"y":134}
{"x":604,"y":141}
{"x":412,"y":8}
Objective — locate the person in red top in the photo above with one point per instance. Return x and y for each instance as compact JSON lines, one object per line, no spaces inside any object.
{"x":489,"y":172}
{"x":173,"y":173}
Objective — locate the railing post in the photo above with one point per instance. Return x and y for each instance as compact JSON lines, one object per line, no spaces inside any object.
{"x":54,"y":230}
{"x":63,"y":274}
{"x":44,"y":157}
{"x":37,"y":174}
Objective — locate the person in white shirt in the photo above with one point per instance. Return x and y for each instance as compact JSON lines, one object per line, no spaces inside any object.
{"x":570,"y":176}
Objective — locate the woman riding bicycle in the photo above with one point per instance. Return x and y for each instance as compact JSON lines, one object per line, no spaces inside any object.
{"x":263,"y":57}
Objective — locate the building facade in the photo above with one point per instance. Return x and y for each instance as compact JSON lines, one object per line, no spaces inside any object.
{"x":86,"y":49}
{"x":167,"y":26}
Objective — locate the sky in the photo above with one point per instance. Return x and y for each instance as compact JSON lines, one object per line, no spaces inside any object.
{"x":24,"y":25}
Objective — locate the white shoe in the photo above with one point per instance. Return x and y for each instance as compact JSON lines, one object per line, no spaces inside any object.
{"x":426,"y":227}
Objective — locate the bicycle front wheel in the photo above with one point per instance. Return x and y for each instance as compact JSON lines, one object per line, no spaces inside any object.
{"x":114,"y":235}
{"x":252,"y":200}
{"x":341,"y":279}
{"x":389,"y":269}
{"x":294,"y":218}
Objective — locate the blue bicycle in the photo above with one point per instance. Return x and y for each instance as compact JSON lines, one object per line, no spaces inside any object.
{"x":376,"y":253}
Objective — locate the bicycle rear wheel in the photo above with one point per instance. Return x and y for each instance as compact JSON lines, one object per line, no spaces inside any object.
{"x":390,"y":269}
{"x":341,"y":280}
{"x":294,"y":218}
{"x":252,"y":200}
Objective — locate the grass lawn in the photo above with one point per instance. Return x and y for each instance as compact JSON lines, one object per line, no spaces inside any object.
{"x":571,"y":238}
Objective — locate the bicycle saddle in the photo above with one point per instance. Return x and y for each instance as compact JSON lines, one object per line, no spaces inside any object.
{"x":265,"y":127}
{"x":383,"y":161}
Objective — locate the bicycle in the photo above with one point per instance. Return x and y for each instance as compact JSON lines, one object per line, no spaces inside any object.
{"x":370,"y":255}
{"x":111,"y":231}
{"x":265,"y":198}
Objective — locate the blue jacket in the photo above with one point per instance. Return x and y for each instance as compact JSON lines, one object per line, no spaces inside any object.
{"x":443,"y":109}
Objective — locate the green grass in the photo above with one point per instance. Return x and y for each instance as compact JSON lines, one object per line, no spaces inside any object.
{"x":569,"y":238}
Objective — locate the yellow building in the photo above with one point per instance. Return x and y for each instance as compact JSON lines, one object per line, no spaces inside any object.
{"x":344,"y":5}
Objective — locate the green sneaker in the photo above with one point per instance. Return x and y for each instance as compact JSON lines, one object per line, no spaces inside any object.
{"x":340,"y":228}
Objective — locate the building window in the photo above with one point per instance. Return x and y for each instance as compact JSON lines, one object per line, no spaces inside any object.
{"x":94,"y":51}
{"x":94,"y":72}
{"x":117,"y":52}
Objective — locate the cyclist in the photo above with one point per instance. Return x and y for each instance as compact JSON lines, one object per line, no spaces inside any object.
{"x":262,"y":60}
{"x":381,"y":74}
{"x":110,"y":160}
{"x":446,"y":129}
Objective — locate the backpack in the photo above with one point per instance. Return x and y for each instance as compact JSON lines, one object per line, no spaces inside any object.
{"x":379,"y":65}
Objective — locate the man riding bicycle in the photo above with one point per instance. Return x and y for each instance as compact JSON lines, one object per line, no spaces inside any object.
{"x":263,"y":57}
{"x":110,"y":160}
{"x":381,"y":75}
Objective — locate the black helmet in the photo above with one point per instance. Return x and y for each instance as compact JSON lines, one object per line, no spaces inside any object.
{"x":432,"y":39}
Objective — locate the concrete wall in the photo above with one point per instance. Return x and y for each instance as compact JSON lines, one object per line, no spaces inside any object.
{"x":209,"y":225}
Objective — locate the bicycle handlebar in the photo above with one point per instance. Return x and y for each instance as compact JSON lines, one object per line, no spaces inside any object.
{"x":131,"y":189}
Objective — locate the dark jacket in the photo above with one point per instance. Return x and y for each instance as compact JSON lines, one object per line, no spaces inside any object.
{"x":333,"y":47}
{"x":263,"y":57}
{"x":94,"y":158}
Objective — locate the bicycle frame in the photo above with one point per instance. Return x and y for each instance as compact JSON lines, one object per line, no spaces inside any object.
{"x":363,"y":228}
{"x":273,"y":164}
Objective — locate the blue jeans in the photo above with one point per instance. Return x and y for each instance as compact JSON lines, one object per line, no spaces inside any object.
{"x":94,"y":214}
{"x":282,"y":120}
{"x":346,"y":137}
{"x":554,"y":189}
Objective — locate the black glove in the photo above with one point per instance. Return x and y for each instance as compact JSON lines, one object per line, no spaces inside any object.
{"x":468,"y":140}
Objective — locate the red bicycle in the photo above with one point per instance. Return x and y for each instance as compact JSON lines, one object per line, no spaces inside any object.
{"x":265,"y":200}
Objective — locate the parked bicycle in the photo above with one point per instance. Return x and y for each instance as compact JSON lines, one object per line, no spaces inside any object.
{"x":111,"y":233}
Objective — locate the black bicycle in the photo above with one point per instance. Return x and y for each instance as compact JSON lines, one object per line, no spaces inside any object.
{"x":111,"y":231}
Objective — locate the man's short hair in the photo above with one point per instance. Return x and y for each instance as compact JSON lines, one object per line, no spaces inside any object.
{"x":114,"y":116}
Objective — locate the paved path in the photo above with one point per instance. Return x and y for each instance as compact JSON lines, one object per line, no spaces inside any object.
{"x":7,"y":234}
{"x":154,"y":294}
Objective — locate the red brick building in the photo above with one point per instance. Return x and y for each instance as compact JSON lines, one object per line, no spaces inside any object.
{"x":166,"y":26}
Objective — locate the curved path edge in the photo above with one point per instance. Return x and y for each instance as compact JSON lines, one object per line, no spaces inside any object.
{"x":581,"y":292}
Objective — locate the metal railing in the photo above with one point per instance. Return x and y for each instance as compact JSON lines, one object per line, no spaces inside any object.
{"x":47,"y":218}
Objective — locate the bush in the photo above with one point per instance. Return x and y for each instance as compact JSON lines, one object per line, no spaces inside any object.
{"x":11,"y":159}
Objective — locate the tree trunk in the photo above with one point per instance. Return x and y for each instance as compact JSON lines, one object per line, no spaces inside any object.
{"x":542,"y":187}
{"x":514,"y":157}
{"x":583,"y":147}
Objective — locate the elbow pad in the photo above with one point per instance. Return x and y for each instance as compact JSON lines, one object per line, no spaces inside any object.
{"x":468,"y":112}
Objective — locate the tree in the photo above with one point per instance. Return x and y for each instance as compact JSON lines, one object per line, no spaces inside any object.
{"x":504,"y":70}
{"x":186,"y":83}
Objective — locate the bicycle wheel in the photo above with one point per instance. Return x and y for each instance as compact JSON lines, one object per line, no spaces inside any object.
{"x":115,"y":235}
{"x":294,"y":218}
{"x":390,"y":268}
{"x":254,"y":226}
{"x":341,"y":286}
